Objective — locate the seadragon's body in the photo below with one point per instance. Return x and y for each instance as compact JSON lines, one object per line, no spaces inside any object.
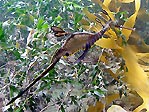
{"x":78,"y":41}
{"x":75,"y":42}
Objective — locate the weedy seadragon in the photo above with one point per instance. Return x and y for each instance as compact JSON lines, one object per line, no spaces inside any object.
{"x":77,"y":41}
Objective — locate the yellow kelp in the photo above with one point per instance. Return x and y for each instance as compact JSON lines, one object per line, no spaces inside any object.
{"x":135,"y":77}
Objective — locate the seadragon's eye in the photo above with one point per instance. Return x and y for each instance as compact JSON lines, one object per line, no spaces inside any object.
{"x":66,"y":54}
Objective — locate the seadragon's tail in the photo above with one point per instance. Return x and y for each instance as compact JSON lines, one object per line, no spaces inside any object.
{"x":51,"y":66}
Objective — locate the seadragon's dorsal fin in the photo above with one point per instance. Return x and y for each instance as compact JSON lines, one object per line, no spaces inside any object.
{"x":58,"y":32}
